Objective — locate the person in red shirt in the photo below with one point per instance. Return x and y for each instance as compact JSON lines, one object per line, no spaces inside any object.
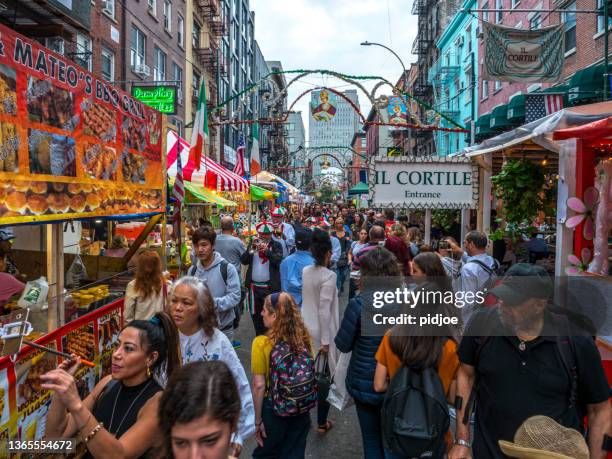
{"x":9,"y":285}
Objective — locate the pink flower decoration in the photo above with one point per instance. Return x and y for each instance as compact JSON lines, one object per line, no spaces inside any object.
{"x":578,"y":265}
{"x":584,"y":211}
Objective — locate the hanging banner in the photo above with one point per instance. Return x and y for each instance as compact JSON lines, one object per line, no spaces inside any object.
{"x":523,"y":56}
{"x":71,"y":145}
{"x":398,"y":113}
{"x":323,"y":105}
{"x":424,"y":183}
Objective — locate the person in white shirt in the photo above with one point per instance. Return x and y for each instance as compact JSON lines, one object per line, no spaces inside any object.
{"x":286,"y":232}
{"x":193,"y":310}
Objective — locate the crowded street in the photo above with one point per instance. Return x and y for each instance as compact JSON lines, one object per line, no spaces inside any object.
{"x":305,"y":229}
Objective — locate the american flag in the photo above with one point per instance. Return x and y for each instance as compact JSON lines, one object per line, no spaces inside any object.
{"x":239,"y":167}
{"x":540,"y":105}
{"x":178,"y":192}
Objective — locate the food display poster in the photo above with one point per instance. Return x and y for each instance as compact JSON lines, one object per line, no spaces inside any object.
{"x":23,"y":405}
{"x":71,"y":145}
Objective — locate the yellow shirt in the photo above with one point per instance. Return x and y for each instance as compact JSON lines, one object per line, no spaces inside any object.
{"x":260,"y":357}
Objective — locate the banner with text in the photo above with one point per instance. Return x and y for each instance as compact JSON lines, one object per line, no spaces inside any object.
{"x":425,"y":184}
{"x":523,"y":56}
{"x":71,"y":145}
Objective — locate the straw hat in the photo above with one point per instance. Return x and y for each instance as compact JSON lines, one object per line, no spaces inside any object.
{"x":541,"y":437}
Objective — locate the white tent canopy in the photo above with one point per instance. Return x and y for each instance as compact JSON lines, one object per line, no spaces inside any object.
{"x":265,"y":176}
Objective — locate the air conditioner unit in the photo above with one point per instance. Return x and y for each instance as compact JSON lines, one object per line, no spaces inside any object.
{"x":108,"y":7}
{"x":479,"y":33}
{"x":142,"y":70}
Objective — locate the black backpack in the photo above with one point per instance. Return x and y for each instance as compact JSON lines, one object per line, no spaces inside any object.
{"x":415,"y":415}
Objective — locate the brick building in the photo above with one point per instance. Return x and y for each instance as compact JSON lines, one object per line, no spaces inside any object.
{"x":358,"y":166}
{"x":108,"y":55}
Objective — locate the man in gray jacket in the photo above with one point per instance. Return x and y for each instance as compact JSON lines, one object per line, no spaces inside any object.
{"x":221,"y":277}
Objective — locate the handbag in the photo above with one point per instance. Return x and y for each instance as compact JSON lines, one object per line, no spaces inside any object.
{"x":322,"y":374}
{"x":338,"y":396}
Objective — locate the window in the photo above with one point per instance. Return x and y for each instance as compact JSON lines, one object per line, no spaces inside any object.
{"x":515,"y":3}
{"x":168,"y":16}
{"x":196,"y":35}
{"x":364,"y":142}
{"x":195,"y":80}
{"x":535,"y":22}
{"x":152,"y":7}
{"x":139,"y":46}
{"x":290,"y":126}
{"x":179,"y":126}
{"x":177,"y":74}
{"x":499,"y":15}
{"x":180,"y":32}
{"x":108,"y":64}
{"x":485,"y":89}
{"x":485,"y":14}
{"x":83,"y":51}
{"x":468,"y":92}
{"x":291,"y":141}
{"x":569,"y":19}
{"x":159,"y":65}
{"x":108,"y":7}
{"x":497,"y":86}
{"x":600,"y":19}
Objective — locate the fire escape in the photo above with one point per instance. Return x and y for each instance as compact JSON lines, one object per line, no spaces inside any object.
{"x":444,"y":77}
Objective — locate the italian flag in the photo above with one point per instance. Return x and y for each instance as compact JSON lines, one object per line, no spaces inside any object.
{"x":199,"y":135}
{"x":255,"y":163}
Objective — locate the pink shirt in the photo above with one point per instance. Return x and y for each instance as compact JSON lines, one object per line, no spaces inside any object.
{"x":9,"y":286}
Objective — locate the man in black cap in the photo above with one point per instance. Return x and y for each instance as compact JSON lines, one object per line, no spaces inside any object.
{"x":517,"y":361}
{"x":291,"y":268}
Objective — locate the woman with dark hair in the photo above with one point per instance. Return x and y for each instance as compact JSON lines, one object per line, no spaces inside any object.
{"x":118,"y":419}
{"x":278,"y":437}
{"x":199,"y":412}
{"x":321,"y":313}
{"x":428,"y":265}
{"x":396,"y":244}
{"x":356,"y":226}
{"x":378,"y":262}
{"x":146,"y":294}
{"x":193,"y":309}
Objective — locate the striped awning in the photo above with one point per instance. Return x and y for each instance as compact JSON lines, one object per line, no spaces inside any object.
{"x":228,"y":180}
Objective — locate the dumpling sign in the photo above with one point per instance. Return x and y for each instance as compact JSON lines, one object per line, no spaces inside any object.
{"x":161,"y":98}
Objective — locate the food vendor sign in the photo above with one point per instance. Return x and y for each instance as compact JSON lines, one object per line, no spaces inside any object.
{"x":424,"y":183}
{"x":71,"y":145}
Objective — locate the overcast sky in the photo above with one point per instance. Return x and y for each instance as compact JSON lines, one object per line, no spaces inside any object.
{"x":326,"y":34}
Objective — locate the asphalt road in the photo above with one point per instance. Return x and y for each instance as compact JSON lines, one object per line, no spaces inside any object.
{"x":343,"y":441}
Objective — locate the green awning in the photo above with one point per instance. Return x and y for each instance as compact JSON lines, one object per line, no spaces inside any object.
{"x":561,"y":89}
{"x":499,"y":118}
{"x":516,"y":109}
{"x":360,"y":188}
{"x":196,"y":194}
{"x":483,"y":126}
{"x":586,"y":85}
{"x":261,"y":194}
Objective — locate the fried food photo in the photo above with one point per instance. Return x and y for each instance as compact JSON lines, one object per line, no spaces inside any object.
{"x":16,"y":202}
{"x":37,"y":204}
{"x":58,"y":202}
{"x":77,"y":203}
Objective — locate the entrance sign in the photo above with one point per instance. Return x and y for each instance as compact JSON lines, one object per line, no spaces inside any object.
{"x":522,"y":56}
{"x":161,"y":98}
{"x":425,"y":183}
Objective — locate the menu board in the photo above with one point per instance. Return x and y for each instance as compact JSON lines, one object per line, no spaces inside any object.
{"x":71,"y":145}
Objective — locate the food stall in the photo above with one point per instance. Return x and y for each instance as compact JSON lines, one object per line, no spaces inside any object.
{"x":75,"y":150}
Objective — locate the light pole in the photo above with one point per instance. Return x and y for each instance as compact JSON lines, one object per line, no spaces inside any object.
{"x":404,"y":78}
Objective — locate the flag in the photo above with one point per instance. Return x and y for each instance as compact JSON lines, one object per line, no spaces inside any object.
{"x":255,"y":162}
{"x":178,"y":192}
{"x":239,"y":167}
{"x":199,"y":134}
{"x":540,"y":105}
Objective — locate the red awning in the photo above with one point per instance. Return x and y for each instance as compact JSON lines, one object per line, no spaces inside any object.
{"x":597,"y":130}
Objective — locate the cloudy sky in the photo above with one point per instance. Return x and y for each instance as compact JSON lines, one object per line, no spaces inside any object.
{"x":326,"y":34}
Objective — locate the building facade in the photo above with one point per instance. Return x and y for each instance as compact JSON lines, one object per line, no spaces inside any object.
{"x":358,"y":166}
{"x":275,"y":153}
{"x":454,"y":78}
{"x":339,"y":129}
{"x":296,"y":140}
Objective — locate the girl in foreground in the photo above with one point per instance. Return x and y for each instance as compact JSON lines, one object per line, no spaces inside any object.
{"x":118,"y":419}
{"x":199,"y":412}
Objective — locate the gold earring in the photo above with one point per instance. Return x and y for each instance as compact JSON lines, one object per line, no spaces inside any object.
{"x":148,"y":372}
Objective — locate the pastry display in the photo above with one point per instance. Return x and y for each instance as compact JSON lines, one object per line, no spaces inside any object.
{"x":16,"y":202}
{"x":58,"y":202}
{"x":38,"y":187}
{"x":134,"y":134}
{"x":20,"y":185}
{"x":133,"y":167}
{"x":98,"y":121}
{"x":49,"y":104}
{"x":77,"y":203}
{"x":74,"y":188}
{"x":37,"y":204}
{"x":93,"y":201}
{"x":58,"y":187}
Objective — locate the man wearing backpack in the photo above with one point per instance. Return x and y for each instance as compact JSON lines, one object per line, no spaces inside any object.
{"x":220,"y":276}
{"x":478,"y":271}
{"x":517,"y":363}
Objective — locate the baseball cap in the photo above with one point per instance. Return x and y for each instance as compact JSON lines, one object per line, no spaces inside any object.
{"x":302,"y":239}
{"x":6,"y":234}
{"x":522,"y":282}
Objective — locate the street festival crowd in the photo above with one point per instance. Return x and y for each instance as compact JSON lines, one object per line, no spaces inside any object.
{"x":178,"y":389}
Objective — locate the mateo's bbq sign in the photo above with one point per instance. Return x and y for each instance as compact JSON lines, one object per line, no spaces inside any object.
{"x":427,"y":184}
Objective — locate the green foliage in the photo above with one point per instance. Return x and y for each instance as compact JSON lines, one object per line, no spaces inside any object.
{"x":444,"y":218}
{"x":519,"y":185}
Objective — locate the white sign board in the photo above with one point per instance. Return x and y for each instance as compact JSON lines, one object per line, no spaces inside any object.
{"x":424,"y":185}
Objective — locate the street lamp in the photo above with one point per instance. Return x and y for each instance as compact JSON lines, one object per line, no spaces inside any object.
{"x":368,"y":43}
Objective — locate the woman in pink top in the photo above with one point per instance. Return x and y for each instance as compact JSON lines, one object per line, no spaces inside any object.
{"x":9,"y":286}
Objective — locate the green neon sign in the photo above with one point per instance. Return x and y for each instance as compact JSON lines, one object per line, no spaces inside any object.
{"x":161,"y":98}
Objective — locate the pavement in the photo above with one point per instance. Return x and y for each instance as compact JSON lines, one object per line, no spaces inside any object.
{"x":342,"y":441}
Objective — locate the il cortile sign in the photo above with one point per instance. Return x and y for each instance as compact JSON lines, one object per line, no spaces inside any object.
{"x":425,"y":183}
